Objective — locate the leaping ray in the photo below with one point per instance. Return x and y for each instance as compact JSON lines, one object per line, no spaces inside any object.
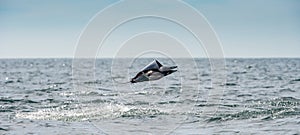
{"x":153,"y":71}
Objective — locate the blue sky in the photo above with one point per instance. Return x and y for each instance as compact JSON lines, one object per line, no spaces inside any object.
{"x":248,"y":28}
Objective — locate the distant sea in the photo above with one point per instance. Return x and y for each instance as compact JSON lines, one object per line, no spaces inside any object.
{"x":43,"y":96}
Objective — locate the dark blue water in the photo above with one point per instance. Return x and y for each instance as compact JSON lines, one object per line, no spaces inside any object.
{"x":49,"y":96}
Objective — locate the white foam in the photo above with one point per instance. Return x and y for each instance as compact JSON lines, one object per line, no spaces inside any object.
{"x":78,"y":113}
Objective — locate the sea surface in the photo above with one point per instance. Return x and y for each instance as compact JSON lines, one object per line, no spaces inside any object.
{"x":61,"y":96}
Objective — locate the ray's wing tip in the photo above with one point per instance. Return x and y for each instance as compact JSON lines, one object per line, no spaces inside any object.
{"x":158,"y":63}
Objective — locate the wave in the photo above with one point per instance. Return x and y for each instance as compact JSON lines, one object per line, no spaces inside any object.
{"x":264,"y":110}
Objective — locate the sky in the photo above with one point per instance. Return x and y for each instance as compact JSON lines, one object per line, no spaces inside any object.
{"x":52,"y":28}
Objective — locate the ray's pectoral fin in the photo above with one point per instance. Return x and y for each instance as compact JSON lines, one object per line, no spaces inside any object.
{"x":140,"y":77}
{"x":133,"y":80}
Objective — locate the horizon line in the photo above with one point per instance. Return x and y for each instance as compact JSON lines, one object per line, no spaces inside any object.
{"x":252,"y":57}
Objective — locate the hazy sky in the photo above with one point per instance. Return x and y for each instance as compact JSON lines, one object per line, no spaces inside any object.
{"x":248,"y":28}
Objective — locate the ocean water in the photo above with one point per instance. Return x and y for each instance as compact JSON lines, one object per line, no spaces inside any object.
{"x":60,"y":96}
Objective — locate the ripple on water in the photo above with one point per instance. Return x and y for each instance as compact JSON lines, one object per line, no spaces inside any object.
{"x":264,"y":110}
{"x":9,"y":100}
{"x":286,"y":90}
{"x":296,"y":80}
